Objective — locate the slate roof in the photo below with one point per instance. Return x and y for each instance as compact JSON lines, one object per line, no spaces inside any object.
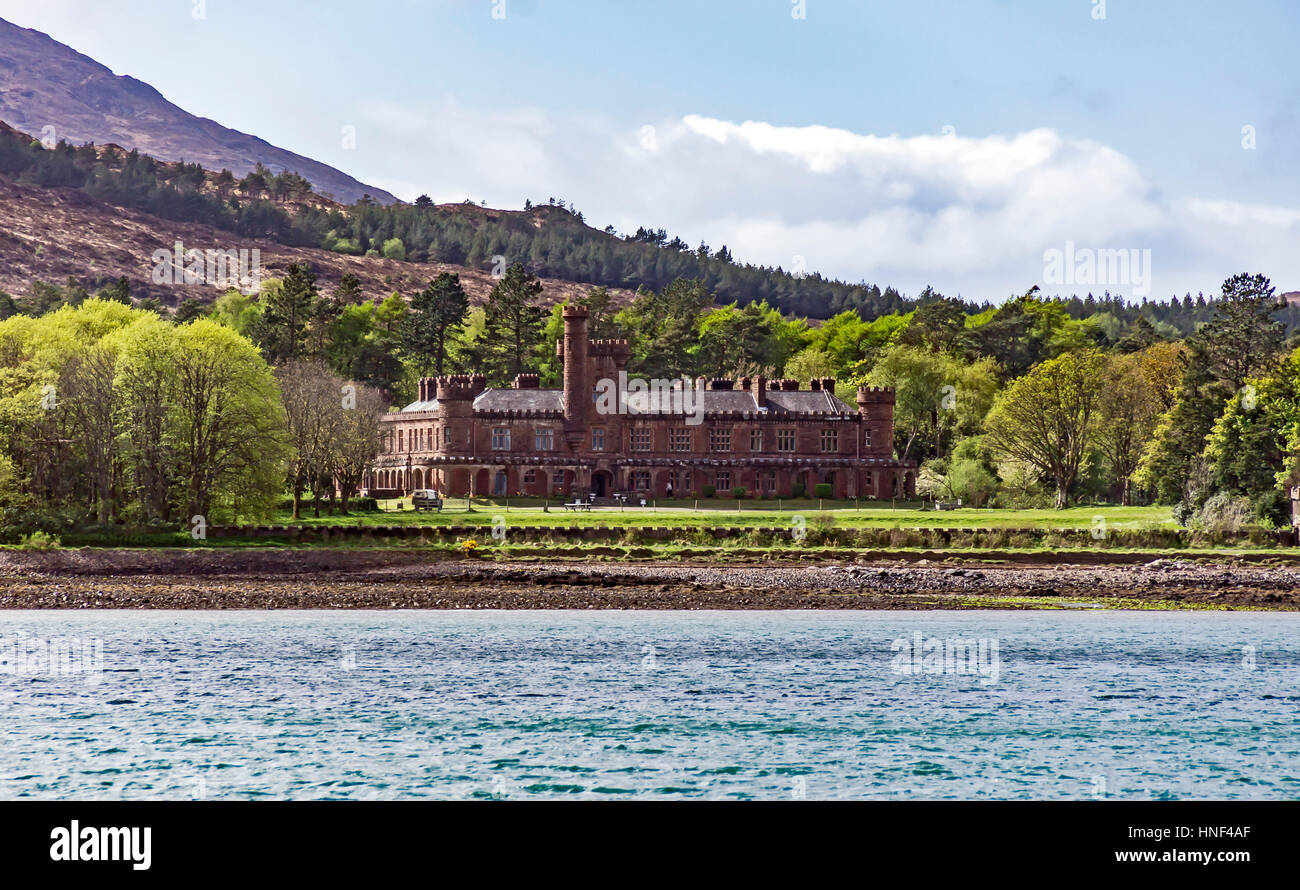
{"x":778,"y":402}
{"x":807,"y":401}
{"x":520,"y":400}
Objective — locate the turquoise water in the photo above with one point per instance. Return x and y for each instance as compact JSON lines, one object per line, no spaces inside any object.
{"x":652,"y":705}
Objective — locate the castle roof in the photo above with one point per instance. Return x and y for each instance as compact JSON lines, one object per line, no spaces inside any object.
{"x":806,"y":401}
{"x":520,"y":400}
{"x":711,"y":400}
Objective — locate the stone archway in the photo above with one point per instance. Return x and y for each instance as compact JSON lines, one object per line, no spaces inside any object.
{"x":602,"y":483}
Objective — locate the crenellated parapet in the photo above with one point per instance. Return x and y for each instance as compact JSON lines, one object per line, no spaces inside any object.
{"x":875,"y":395}
{"x":459,"y":387}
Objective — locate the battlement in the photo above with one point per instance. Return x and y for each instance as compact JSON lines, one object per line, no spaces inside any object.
{"x":528,"y":381}
{"x":875,"y":395}
{"x":459,"y":386}
{"x":611,"y":348}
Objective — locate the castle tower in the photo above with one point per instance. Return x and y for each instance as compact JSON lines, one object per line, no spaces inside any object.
{"x":876,"y":407}
{"x":577,"y":389}
{"x":455,"y":395}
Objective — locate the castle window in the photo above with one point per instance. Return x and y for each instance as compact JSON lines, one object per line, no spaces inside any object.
{"x":866,"y":438}
{"x":530,"y":476}
{"x":448,"y":437}
{"x":755,"y":441}
{"x":544,"y":439}
{"x":719,"y":440}
{"x":642,"y":439}
{"x":681,"y":481}
{"x":830,"y":440}
{"x":722,"y":481}
{"x":598,"y":439}
{"x":785,"y":440}
{"x":401,"y":438}
{"x":557,"y":478}
{"x":868,"y":479}
{"x":501,"y":438}
{"x":679,"y":439}
{"x":640,"y":480}
{"x":767,"y":482}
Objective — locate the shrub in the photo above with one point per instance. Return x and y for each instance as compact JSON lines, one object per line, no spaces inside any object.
{"x":739,"y":492}
{"x":363,"y":505}
{"x":798,"y":490}
{"x":40,"y":541}
{"x":708,"y":491}
{"x":823,"y":490}
{"x":394,"y":249}
{"x":1223,"y":514}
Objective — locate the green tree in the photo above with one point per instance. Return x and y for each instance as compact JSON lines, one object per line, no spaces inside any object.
{"x":1241,"y":341}
{"x":1046,"y":419}
{"x":226,"y":427}
{"x":287,"y":308}
{"x":1250,"y":452}
{"x":435,"y":315}
{"x":512,"y":325}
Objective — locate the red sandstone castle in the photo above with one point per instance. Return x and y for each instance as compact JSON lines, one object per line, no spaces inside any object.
{"x":770,"y":438}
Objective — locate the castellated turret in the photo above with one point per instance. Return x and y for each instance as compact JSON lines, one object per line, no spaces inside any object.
{"x":874,"y":395}
{"x":455,"y":395}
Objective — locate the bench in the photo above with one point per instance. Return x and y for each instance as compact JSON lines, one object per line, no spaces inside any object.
{"x":577,"y":505}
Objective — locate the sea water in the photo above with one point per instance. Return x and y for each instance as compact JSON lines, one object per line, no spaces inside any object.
{"x":649,"y":705}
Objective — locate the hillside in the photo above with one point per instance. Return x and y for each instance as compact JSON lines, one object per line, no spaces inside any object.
{"x":44,"y":83}
{"x":49,"y":234}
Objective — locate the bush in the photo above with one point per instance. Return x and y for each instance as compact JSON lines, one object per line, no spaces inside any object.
{"x":708,"y":491}
{"x":394,"y":249}
{"x":363,"y":505}
{"x":823,"y":490}
{"x":798,"y":490}
{"x":40,"y":541}
{"x":739,"y":492}
{"x":1223,"y":514}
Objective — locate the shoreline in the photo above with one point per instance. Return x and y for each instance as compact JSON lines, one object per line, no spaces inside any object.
{"x":380,"y":579}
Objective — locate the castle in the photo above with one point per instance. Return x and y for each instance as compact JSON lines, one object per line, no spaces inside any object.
{"x":602,"y":435}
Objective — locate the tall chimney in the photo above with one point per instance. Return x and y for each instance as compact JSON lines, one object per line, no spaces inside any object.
{"x":577,"y":390}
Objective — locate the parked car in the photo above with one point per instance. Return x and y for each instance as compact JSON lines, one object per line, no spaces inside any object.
{"x":426,"y":499}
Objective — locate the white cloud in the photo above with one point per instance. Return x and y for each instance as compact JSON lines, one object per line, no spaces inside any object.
{"x":966,"y":215}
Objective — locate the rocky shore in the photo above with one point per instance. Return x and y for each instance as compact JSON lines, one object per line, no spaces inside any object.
{"x":317,"y":579}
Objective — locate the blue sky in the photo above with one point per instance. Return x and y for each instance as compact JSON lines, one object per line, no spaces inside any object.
{"x":1129,"y":128}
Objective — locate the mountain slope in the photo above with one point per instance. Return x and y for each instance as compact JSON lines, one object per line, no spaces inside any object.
{"x":51,"y":234}
{"x":46,"y":84}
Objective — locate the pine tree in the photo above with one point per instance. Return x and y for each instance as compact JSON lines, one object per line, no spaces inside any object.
{"x":512,"y":324}
{"x":436,"y":312}
{"x":286,"y":312}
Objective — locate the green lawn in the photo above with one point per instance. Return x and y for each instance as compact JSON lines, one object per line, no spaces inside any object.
{"x":712,"y":513}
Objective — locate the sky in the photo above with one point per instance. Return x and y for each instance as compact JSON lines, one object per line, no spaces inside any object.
{"x":980,"y":147}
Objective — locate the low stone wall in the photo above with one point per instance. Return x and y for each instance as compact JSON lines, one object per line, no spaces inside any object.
{"x":813,"y":534}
